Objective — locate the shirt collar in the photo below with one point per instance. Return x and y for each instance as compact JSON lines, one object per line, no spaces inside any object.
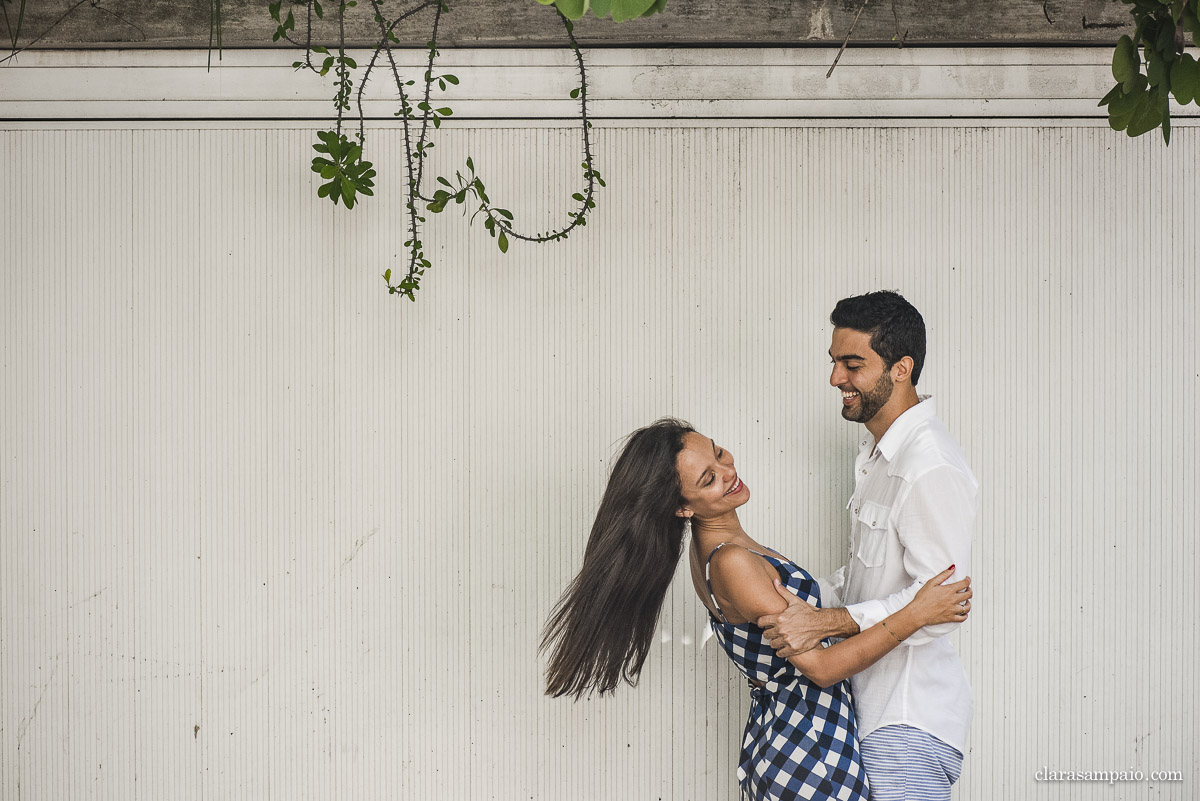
{"x":902,"y":427}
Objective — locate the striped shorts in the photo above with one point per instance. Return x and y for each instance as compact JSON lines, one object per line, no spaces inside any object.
{"x":907,"y":764}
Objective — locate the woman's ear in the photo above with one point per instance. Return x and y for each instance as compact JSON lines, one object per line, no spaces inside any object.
{"x":683,"y":512}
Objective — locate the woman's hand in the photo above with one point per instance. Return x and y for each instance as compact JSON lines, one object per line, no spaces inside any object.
{"x":937,"y":603}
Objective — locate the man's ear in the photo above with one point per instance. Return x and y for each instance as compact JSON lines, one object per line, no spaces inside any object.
{"x":902,"y":370}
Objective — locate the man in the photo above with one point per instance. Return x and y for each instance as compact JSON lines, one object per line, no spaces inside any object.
{"x":911,"y":514}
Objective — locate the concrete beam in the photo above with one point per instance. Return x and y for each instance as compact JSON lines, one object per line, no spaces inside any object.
{"x":524,"y":23}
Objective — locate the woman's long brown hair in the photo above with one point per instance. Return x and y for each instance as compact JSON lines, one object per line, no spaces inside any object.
{"x":601,"y":629}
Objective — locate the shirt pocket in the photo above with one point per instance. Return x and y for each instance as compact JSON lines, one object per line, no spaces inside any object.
{"x":872,"y":533}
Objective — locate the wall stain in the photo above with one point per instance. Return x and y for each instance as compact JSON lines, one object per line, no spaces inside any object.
{"x":24,"y":725}
{"x":358,"y":546}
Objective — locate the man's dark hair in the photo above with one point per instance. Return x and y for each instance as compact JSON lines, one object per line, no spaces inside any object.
{"x":896,"y":327}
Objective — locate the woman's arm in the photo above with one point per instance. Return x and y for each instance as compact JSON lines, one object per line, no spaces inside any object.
{"x":744,"y":584}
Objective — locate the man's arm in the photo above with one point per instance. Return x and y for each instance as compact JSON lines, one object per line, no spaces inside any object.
{"x":934,"y":525}
{"x":801,"y":627}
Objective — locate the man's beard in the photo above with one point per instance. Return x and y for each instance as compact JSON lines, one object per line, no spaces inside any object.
{"x":870,"y":401}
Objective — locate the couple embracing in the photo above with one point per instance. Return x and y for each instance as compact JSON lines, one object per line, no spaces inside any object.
{"x":856,"y":693}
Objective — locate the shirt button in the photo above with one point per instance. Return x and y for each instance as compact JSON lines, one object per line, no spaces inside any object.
{"x":856,"y":510}
{"x":864,"y":471}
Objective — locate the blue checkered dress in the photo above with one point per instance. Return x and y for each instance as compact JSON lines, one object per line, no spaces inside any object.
{"x":800,"y":740}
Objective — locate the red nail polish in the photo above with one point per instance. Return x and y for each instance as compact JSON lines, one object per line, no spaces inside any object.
{"x":952,"y":568}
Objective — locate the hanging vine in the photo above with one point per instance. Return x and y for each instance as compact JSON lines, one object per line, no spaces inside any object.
{"x":347,"y":175}
{"x":14,"y":21}
{"x":1140,"y":102}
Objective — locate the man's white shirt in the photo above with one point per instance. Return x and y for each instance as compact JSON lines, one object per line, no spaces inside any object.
{"x":914,"y":503}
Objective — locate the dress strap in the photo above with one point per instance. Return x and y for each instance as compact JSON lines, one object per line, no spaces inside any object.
{"x":708,"y":579}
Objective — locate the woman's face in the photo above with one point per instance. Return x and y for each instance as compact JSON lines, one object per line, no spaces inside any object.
{"x":710,"y":483}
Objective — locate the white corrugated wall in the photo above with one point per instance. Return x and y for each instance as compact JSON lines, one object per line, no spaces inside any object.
{"x":268,"y":533}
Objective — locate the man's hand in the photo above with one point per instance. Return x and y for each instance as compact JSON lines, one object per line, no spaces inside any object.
{"x":797,"y":629}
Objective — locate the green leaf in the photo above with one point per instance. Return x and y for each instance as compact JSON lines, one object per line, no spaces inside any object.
{"x":575,"y":93}
{"x":1136,"y":85}
{"x":1189,"y":20}
{"x":502,"y":242}
{"x":470,"y":164}
{"x":274,"y":9}
{"x":317,"y":8}
{"x":1185,"y":79}
{"x":451,"y":79}
{"x":445,"y":111}
{"x":1156,"y":69}
{"x":1121,"y":110}
{"x":1165,"y":43}
{"x":623,"y":10}
{"x":572,"y":9}
{"x":387,"y":274}
{"x":1147,"y":116}
{"x":1125,"y":60}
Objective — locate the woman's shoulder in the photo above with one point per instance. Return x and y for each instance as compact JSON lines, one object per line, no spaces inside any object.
{"x":734,"y":557}
{"x":745,"y":578}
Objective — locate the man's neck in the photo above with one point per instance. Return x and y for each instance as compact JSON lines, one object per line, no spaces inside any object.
{"x":890,"y":413}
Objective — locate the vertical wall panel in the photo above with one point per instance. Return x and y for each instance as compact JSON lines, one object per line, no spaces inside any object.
{"x":166,"y":446}
{"x":35,"y":666}
{"x":267,"y":532}
{"x":234,"y":295}
{"x":100,"y":499}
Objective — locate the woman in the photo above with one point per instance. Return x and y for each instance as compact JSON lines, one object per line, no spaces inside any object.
{"x":800,"y":739}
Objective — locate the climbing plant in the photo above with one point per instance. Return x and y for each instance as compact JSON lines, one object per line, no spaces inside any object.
{"x":1151,"y":66}
{"x":340,"y":161}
